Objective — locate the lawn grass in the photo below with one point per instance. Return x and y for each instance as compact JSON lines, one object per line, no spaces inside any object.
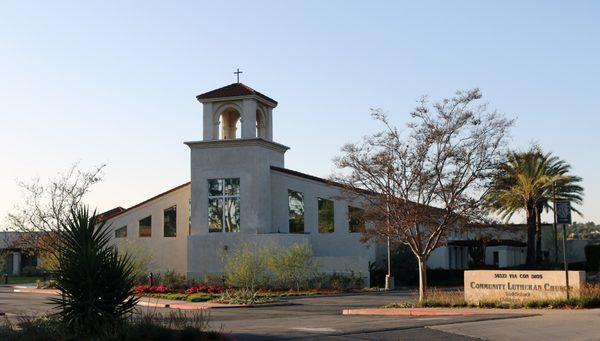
{"x":22,"y":279}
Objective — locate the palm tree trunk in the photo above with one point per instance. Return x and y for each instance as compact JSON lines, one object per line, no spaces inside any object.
{"x":538,"y":236}
{"x":530,"y":237}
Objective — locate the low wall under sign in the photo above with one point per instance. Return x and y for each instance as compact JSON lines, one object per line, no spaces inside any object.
{"x":519,"y":285}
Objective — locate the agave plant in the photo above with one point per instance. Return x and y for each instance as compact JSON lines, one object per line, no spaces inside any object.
{"x":96,"y":282}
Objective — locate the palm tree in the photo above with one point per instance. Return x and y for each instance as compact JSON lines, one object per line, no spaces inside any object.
{"x":561,"y":186}
{"x":525,"y":184}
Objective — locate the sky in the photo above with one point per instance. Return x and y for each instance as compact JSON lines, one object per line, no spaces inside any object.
{"x":115,"y":81}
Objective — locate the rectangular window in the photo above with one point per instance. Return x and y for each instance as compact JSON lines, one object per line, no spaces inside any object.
{"x":296,"y":211}
{"x":190,"y":217}
{"x":121,"y":232}
{"x":224,"y":205}
{"x":356,"y":219}
{"x":325,"y":215}
{"x":145,"y":227}
{"x":170,"y":222}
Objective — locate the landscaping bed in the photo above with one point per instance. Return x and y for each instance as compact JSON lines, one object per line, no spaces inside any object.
{"x":216,"y":294}
{"x":589,"y":297}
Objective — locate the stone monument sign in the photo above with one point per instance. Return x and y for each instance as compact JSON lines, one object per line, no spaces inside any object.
{"x":519,"y":285}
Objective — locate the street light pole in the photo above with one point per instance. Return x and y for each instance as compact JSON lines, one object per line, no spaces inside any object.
{"x":566,"y":264}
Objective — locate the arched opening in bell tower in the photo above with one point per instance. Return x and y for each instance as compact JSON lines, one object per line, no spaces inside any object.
{"x":229,"y":124}
{"x":261,"y":124}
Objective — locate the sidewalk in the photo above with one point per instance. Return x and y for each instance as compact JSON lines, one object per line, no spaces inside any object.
{"x":436,"y":312}
{"x":184,"y":305}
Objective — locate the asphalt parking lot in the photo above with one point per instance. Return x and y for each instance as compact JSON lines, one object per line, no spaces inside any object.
{"x":320,"y":318}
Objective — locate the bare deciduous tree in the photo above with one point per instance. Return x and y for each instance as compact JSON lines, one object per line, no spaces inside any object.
{"x":46,"y":206}
{"x":421,"y":182}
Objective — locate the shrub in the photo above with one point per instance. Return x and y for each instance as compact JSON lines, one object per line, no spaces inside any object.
{"x":32,"y":271}
{"x":141,"y":259}
{"x":200,"y":297}
{"x":592,"y":256}
{"x":174,"y":325}
{"x":210,"y":289}
{"x":247,"y":267}
{"x":173,"y":280}
{"x":145,"y":289}
{"x":293,"y":267}
{"x":243,"y":296}
{"x":338,"y":281}
{"x":96,"y":281}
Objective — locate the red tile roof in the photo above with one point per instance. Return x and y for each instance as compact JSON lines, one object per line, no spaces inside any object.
{"x":110,"y":213}
{"x":233,"y":90}
{"x":146,"y":201}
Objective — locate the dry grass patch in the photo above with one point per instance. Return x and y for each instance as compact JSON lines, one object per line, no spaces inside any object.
{"x":589,"y":297}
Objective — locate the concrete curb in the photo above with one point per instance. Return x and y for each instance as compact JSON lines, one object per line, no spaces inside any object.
{"x":206,"y":305}
{"x":25,"y":289}
{"x":408,"y":312}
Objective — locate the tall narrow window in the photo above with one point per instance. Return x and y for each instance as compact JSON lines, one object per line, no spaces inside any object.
{"x":325,"y":215}
{"x":356,"y":220}
{"x":145,"y":227}
{"x":224,"y":205}
{"x":121,"y":232}
{"x":190,"y":217}
{"x":296,"y":209}
{"x":170,"y":222}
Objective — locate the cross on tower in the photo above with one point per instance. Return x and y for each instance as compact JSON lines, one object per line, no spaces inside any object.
{"x":238,"y":74}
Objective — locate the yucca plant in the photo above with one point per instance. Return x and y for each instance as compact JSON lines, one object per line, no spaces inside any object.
{"x":96,"y":282}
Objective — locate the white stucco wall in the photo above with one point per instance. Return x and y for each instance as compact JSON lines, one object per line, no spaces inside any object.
{"x":339,"y":250}
{"x":168,"y":253}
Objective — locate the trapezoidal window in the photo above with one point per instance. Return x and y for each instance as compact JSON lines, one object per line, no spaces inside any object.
{"x":229,"y":125}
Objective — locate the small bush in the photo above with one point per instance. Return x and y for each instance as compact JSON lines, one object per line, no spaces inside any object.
{"x":201,"y":297}
{"x":149,"y":326}
{"x":32,"y":271}
{"x":338,"y":281}
{"x":173,"y":280}
{"x":243,"y":296}
{"x":246,"y":267}
{"x":592,"y":256}
{"x":293,"y":267}
{"x":145,"y":289}
{"x":210,"y":289}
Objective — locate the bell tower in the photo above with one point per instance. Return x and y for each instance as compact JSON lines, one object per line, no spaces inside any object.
{"x":237,"y":147}
{"x":237,"y":105}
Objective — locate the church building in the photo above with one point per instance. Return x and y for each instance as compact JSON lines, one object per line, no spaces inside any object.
{"x":241,"y":192}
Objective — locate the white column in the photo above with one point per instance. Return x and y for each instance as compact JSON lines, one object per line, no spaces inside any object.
{"x":249,"y":119}
{"x":16,"y":263}
{"x":208,"y":123}
{"x":269,"y":125}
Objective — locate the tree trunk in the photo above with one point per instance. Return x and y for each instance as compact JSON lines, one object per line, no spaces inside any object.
{"x":530,"y":237}
{"x":422,"y":278}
